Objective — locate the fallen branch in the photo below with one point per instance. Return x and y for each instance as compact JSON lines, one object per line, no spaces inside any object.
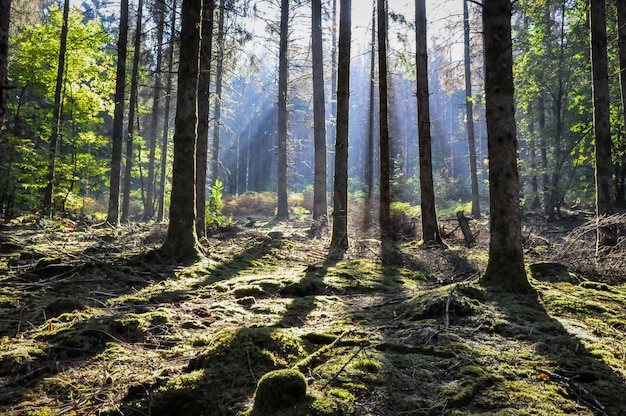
{"x":582,"y":394}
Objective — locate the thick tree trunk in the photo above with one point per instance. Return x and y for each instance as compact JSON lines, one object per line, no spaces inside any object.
{"x":605,"y":201}
{"x":181,"y":241}
{"x":319,"y":114}
{"x":621,"y":52}
{"x":429,"y":217}
{"x":283,"y":206}
{"x":383,"y":111}
{"x":156,"y":98}
{"x":166,"y":117}
{"x":56,"y":116}
{"x":132,"y":108}
{"x":219,"y":76}
{"x":469,"y":114}
{"x":339,"y":237}
{"x":113,"y":216}
{"x":505,"y":267}
{"x":202,"y":146}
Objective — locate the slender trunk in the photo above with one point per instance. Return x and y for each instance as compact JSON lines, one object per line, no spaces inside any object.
{"x":333,"y":98}
{"x":505,"y":266}
{"x":181,"y":241}
{"x":469,"y":114}
{"x":56,"y":116}
{"x":532,"y":156}
{"x":283,"y":207}
{"x":371,"y":123}
{"x":339,"y":236}
{"x":429,"y":216}
{"x":319,"y":113}
{"x":607,"y":236}
{"x":383,"y":111}
{"x":113,"y":216}
{"x":166,"y":117}
{"x":132,"y":108}
{"x":219,"y":75}
{"x":204,"y":83}
{"x":149,"y":203}
{"x":5,"y":14}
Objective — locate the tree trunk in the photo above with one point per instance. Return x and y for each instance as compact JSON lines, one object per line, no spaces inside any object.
{"x":56,"y":116}
{"x":383,"y":111}
{"x":339,"y":236}
{"x":166,"y":117}
{"x":621,"y":52}
{"x":181,"y":241}
{"x":607,"y":236}
{"x":469,"y":114}
{"x":319,"y":113}
{"x":505,"y":267}
{"x":333,"y":98}
{"x":113,"y":216}
{"x":132,"y":108}
{"x":429,"y":217}
{"x":202,"y":146}
{"x":5,"y":19}
{"x":219,"y":75}
{"x":149,"y":202}
{"x":369,"y":170}
{"x":283,"y":206}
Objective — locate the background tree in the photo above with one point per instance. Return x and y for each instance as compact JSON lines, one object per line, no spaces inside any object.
{"x":283,"y":207}
{"x":430,"y":229}
{"x":181,"y":240}
{"x":217,"y":106}
{"x":113,"y":216}
{"x":383,"y":111}
{"x":505,"y":267}
{"x":607,"y":236}
{"x":469,"y":112}
{"x":56,"y":115}
{"x":319,"y":113}
{"x":132,"y":109}
{"x":339,"y":236}
{"x":5,"y":14}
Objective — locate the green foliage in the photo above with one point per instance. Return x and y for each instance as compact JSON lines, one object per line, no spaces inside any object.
{"x":87,"y":87}
{"x":214,"y":216}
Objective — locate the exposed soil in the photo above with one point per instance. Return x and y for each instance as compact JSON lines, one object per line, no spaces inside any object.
{"x":92,"y":321}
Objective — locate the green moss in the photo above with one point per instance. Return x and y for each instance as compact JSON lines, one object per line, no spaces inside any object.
{"x":279,"y":389}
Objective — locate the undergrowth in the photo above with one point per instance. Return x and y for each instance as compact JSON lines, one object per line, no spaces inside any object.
{"x":92,"y":323}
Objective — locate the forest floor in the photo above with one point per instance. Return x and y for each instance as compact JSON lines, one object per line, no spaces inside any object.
{"x":92,"y":322}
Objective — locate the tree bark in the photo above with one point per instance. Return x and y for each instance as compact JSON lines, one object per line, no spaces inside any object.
{"x":319,"y":113}
{"x":621,"y":53}
{"x":283,"y":206}
{"x":505,"y":267}
{"x":56,"y":116}
{"x":202,"y":146}
{"x":132,"y":108}
{"x":113,"y":216}
{"x":369,"y":170}
{"x":156,"y":98}
{"x":383,"y":111}
{"x":166,"y":116}
{"x":181,"y":241}
{"x":429,"y":217}
{"x":607,"y":236}
{"x":5,"y":20}
{"x":339,"y":236}
{"x":469,"y":114}
{"x":219,"y":77}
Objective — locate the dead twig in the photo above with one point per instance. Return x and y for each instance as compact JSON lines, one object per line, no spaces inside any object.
{"x":576,"y":389}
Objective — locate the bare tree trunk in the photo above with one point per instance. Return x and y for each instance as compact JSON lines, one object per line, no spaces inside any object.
{"x":505,"y":267}
{"x":469,"y":114}
{"x":383,"y":111}
{"x":166,"y":116}
{"x":621,"y":52}
{"x":283,"y":206}
{"x":132,"y":108}
{"x":181,"y":241}
{"x":333,"y":96}
{"x":219,"y":76}
{"x":371,"y":122}
{"x":113,"y":216}
{"x":319,"y":113}
{"x":339,"y":236}
{"x":605,"y":203}
{"x":56,"y":116}
{"x":149,"y":202}
{"x":430,"y":228}
{"x":5,"y":19}
{"x":202,"y":145}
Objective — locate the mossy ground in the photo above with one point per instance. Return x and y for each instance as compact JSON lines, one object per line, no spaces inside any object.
{"x":91,"y":322}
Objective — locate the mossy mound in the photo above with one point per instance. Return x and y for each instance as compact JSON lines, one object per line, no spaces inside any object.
{"x":279,"y":389}
{"x":552,"y":272}
{"x":457,"y":301}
